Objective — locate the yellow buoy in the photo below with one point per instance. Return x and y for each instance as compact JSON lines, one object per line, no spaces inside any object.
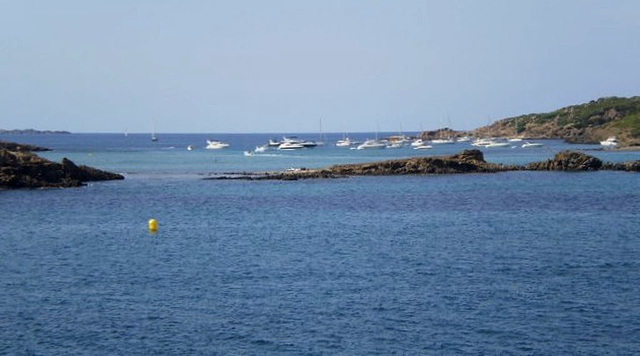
{"x":153,"y":225}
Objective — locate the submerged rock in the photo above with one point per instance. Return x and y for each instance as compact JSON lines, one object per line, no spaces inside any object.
{"x":27,"y":170}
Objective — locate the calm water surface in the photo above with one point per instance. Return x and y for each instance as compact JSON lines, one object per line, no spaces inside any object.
{"x":510,"y":263}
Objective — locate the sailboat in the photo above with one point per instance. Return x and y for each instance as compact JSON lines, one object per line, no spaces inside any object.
{"x":154,"y":138}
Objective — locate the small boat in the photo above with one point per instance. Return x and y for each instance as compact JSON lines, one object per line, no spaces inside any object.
{"x":418,"y":142}
{"x":248,"y":153}
{"x":216,"y":145}
{"x":260,"y":149}
{"x":345,"y":142}
{"x":496,"y":144}
{"x":290,"y":146}
{"x":515,"y":139}
{"x":274,"y":143}
{"x":423,"y":147}
{"x":372,"y":145}
{"x":528,"y":144}
{"x":464,"y":139}
{"x":611,"y":142}
{"x":481,"y":142}
{"x":443,"y":141}
{"x":190,"y":147}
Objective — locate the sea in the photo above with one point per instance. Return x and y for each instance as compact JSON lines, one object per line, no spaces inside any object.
{"x":514,"y":263}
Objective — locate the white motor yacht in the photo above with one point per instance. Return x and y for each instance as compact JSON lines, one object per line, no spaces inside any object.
{"x":419,"y":142}
{"x":611,"y":142}
{"x":345,"y":142}
{"x":216,"y":145}
{"x":372,"y":145}
{"x":290,"y":146}
{"x":528,"y":144}
{"x":496,"y":144}
{"x":443,"y":141}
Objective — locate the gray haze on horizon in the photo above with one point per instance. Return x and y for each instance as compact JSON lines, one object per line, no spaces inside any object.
{"x":283,"y":66}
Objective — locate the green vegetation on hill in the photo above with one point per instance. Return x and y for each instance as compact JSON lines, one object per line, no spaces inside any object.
{"x":586,"y":123}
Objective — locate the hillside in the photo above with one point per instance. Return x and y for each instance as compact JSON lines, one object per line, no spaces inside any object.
{"x":587,"y":123}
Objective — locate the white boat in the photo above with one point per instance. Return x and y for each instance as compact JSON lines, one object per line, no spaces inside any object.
{"x":481,"y":142}
{"x":260,"y":149}
{"x":190,"y":148}
{"x":497,"y":144}
{"x":419,"y":142}
{"x":515,"y":139}
{"x":443,"y":141}
{"x":345,"y":142}
{"x":290,"y":146}
{"x":528,"y":144}
{"x":216,"y":145}
{"x":248,"y":153}
{"x":611,"y":142}
{"x":464,"y":139}
{"x":274,"y":143}
{"x":423,"y":147}
{"x":394,"y":145}
{"x":372,"y":145}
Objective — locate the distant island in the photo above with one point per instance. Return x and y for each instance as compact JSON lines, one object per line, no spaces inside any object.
{"x":592,"y":122}
{"x":33,"y":132}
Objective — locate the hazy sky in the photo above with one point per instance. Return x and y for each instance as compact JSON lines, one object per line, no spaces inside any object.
{"x":282,"y":66}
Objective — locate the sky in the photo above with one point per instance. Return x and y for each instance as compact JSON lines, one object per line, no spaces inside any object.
{"x":276,"y":66}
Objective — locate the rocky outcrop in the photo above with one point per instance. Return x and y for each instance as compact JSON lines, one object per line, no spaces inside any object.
{"x":468,"y":161}
{"x":19,"y":147}
{"x":567,"y":161}
{"x":27,"y":170}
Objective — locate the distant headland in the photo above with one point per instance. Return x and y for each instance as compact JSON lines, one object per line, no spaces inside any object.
{"x":590,"y":122}
{"x":33,"y":132}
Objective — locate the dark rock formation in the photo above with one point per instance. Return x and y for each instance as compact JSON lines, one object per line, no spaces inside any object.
{"x":26,"y":170}
{"x":19,"y":147}
{"x":567,"y":161}
{"x":468,"y":161}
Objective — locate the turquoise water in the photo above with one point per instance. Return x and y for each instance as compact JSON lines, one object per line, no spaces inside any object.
{"x":509,"y":263}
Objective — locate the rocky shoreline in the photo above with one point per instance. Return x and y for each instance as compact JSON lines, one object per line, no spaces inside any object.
{"x":468,"y":161}
{"x":20,"y":168}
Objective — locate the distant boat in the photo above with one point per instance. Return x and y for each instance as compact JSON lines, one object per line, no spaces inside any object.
{"x":528,"y":144}
{"x":274,"y":143}
{"x":372,"y":145}
{"x":464,"y":139}
{"x":611,"y":142}
{"x":419,"y":142}
{"x":443,"y":141}
{"x":154,"y":138}
{"x":345,"y":142}
{"x":423,"y":147}
{"x":190,"y":147}
{"x":260,"y":149}
{"x":216,"y":145}
{"x":496,"y":144}
{"x":290,"y":146}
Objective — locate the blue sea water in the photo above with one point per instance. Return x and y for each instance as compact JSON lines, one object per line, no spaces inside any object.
{"x":510,"y":263}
